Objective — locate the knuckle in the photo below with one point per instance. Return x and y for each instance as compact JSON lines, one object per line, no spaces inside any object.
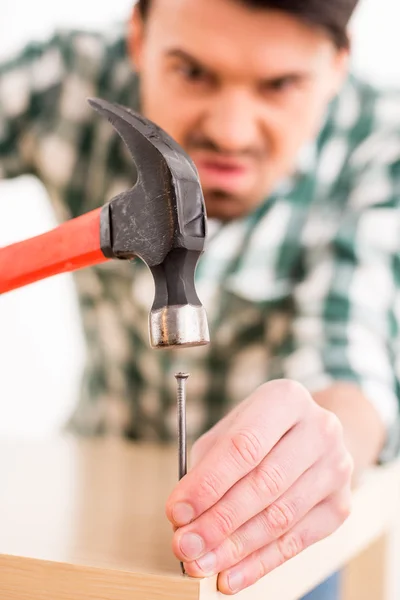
{"x":294,"y":388}
{"x":268,"y":479}
{"x":279,"y":518}
{"x":247,"y":448}
{"x":344,"y":469}
{"x":209,"y":488}
{"x":262,"y":566}
{"x":330,"y":426}
{"x":342,"y":509}
{"x":289,"y":546}
{"x":225,"y":520}
{"x":292,"y":391}
{"x":237,"y":548}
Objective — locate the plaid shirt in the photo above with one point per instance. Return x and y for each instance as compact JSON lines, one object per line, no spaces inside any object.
{"x":307,"y":287}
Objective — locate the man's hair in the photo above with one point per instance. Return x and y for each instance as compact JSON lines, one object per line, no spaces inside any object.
{"x":331,"y":15}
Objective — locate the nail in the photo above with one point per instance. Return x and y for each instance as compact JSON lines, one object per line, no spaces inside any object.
{"x":235,"y":580}
{"x":182,"y":514}
{"x":192,"y":546}
{"x":208,"y":563}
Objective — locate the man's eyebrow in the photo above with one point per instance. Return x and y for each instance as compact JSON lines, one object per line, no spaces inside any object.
{"x":179,"y":53}
{"x":299,"y":75}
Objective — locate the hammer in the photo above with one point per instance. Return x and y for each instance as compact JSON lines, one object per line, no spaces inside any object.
{"x":161,"y":220}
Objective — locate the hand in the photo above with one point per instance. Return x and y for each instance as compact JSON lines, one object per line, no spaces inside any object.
{"x":269,"y":480}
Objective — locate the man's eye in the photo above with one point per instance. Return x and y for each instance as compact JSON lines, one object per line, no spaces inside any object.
{"x":193,"y":73}
{"x":279,"y":85}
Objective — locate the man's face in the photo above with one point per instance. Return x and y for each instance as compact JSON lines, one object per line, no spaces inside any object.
{"x":240,"y":89}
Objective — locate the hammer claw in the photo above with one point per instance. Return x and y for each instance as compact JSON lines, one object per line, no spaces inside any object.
{"x":139,"y":133}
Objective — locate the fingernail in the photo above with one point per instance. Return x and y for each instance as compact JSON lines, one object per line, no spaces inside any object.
{"x":208,"y":563}
{"x":235,"y":580}
{"x":191,"y":545}
{"x":183,"y":514}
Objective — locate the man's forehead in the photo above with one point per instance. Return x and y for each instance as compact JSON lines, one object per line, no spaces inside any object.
{"x":224,"y":32}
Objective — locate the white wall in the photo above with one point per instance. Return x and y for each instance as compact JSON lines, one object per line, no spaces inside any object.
{"x":376,"y":40}
{"x":41,"y":344}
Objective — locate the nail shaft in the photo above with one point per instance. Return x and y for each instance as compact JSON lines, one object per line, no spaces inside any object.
{"x":181,"y":379}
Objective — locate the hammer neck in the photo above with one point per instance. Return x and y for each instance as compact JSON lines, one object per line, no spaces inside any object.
{"x":174,"y":279}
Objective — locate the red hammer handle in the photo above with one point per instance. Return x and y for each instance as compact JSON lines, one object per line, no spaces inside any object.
{"x":71,"y":246}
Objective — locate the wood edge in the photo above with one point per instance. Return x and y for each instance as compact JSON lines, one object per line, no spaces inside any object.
{"x":21,"y":575}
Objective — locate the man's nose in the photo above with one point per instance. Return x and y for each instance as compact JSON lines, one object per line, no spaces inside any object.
{"x":232,"y":123}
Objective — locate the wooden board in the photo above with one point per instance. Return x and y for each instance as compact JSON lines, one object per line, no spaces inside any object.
{"x":84,"y":520}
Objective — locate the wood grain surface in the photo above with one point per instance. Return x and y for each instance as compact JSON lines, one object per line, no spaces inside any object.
{"x":84,"y":520}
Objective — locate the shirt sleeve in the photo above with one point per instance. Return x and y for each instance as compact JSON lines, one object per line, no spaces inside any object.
{"x":348,"y":304}
{"x":30,"y":92}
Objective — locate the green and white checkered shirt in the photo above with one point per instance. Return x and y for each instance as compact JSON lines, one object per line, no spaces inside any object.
{"x":306,"y":288}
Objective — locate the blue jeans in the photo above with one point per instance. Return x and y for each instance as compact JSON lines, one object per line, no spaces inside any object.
{"x":329,"y":590}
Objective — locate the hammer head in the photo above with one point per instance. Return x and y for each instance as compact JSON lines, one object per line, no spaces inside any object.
{"x":162,"y":220}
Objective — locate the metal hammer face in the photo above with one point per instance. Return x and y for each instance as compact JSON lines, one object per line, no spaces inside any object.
{"x":161,"y":220}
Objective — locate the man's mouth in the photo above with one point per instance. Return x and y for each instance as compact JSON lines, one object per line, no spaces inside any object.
{"x":230,"y":175}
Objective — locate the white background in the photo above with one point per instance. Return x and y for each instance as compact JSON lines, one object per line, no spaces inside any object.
{"x":41,"y":344}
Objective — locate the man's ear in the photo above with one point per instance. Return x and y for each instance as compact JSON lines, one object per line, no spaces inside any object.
{"x":135,"y":38}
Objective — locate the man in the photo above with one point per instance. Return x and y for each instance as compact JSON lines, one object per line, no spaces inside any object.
{"x":300,"y":168}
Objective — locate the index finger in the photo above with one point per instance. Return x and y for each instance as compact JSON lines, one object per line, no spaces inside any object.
{"x":273,"y":410}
